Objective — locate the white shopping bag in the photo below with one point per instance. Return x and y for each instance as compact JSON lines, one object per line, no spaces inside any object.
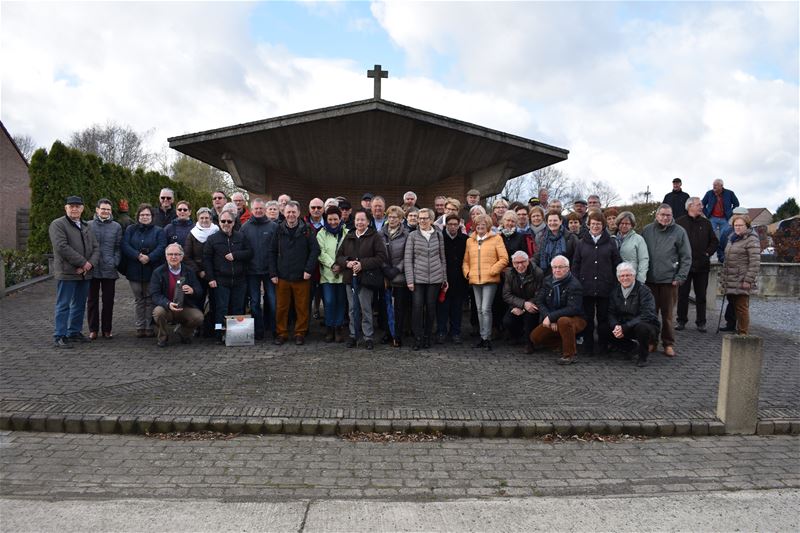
{"x":239,"y":330}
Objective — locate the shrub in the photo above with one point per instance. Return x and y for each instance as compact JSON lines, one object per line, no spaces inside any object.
{"x":22,"y":266}
{"x":66,"y":171}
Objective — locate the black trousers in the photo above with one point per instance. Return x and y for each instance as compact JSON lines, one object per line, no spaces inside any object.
{"x":423,"y":304}
{"x":700,"y":282}
{"x":643,"y":333}
{"x":402,"y":303}
{"x":93,"y":314}
{"x":730,"y":312}
{"x":520,"y":326}
{"x":595,"y":306}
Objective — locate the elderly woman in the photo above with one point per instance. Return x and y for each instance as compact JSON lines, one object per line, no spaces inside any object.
{"x":632,"y":314}
{"x":395,"y":234}
{"x":499,"y":208}
{"x":474,"y":211}
{"x":740,"y":269}
{"x":193,"y":257}
{"x":330,"y":237}
{"x":596,"y":258}
{"x":513,"y":240}
{"x":554,"y":241}
{"x":361,"y":257}
{"x":632,"y":248}
{"x":143,"y":248}
{"x":484,"y":261}
{"x":426,"y":274}
{"x":538,"y":222}
{"x":177,"y":230}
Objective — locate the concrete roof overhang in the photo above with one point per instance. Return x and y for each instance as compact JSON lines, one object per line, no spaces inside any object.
{"x":366,"y":143}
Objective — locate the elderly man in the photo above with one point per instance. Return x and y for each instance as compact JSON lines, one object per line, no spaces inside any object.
{"x":177,"y":296}
{"x":632,"y":314}
{"x":555,"y":205}
{"x":579,"y":207}
{"x":409,"y":201}
{"x":166,"y":212}
{"x":283,"y":199}
{"x":703,"y":243}
{"x":438,"y":205}
{"x":378,"y":213}
{"x":75,"y":254}
{"x":473,"y":198}
{"x":594,"y":202}
{"x":560,"y":303}
{"x":218,"y":201}
{"x":291,"y":264}
{"x":315,"y":211}
{"x":259,"y":232}
{"x":670,"y":259}
{"x":241,"y":207}
{"x":718,"y":206}
{"x":522,"y":281}
{"x":677,"y":199}
{"x":366,"y":202}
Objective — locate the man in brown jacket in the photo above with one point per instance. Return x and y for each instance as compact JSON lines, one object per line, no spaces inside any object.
{"x":75,"y":252}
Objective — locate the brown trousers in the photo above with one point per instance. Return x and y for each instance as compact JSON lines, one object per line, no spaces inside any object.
{"x":741,"y":304}
{"x":666,"y":294}
{"x":568,"y":328}
{"x":285,"y":292}
{"x":188,"y":320}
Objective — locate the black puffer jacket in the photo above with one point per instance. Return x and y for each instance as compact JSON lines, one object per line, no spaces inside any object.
{"x":595,"y":265}
{"x":640,"y":306}
{"x":514,"y":243}
{"x":218,"y":268}
{"x":454,"y":250}
{"x":571,"y":302}
{"x":294,"y":251}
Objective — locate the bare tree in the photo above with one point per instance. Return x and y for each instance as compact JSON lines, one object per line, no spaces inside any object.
{"x":26,"y":145}
{"x":523,"y":187}
{"x":114,"y":144}
{"x":608,"y":196}
{"x":201,"y":176}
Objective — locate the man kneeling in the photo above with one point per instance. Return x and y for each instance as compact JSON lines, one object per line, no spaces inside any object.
{"x":177,"y":296}
{"x":632,"y":313}
{"x":560,"y":303}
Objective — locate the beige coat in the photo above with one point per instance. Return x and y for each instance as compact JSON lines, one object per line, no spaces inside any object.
{"x":742,"y":261}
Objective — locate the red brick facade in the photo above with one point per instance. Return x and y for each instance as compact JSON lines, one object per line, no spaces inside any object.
{"x":15,"y":190}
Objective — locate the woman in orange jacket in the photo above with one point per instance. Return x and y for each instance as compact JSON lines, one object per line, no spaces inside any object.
{"x":484,"y":261}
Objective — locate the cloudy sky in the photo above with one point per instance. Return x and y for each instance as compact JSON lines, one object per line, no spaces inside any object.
{"x":638,"y":92}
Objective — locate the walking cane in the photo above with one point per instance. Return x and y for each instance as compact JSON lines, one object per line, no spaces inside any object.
{"x":721,"y":308}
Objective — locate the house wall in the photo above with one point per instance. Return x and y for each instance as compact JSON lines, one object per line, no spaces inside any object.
{"x":15,"y":191}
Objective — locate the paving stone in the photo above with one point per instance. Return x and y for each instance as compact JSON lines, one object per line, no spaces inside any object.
{"x":781,"y":427}
{"x":219,"y":425}
{"x":528,"y":429}
{"x":162,"y":424}
{"x":454,"y":427}
{"x":649,"y":429}
{"x":399,"y":425}
{"x":579,"y":427}
{"x":436,"y":426}
{"x":381,"y":426}
{"x":632,"y":427}
{"x":665,"y":428}
{"x":716,"y":428}
{"x":126,"y":423}
{"x":544,"y":428}
{"x":73,"y":424}
{"x":5,"y":422}
{"x":346,"y":426}
{"x":509,"y":429}
{"x":795,"y":429}
{"x":562,"y":427}
{"x":683,"y":428}
{"x":236,"y":425}
{"x":472,"y":428}
{"x":144,"y":423}
{"x":418,"y":426}
{"x":54,"y":424}
{"x":91,"y":423}
{"x":600,"y":427}
{"x":276,"y":425}
{"x":37,"y":422}
{"x":699,"y":428}
{"x":19,"y":422}
{"x":308,"y":426}
{"x":765,"y":427}
{"x":328,"y":427}
{"x":490,"y":429}
{"x":254,"y":426}
{"x":109,"y":424}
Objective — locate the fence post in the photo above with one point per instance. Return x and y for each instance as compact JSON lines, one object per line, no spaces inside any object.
{"x":739,"y":383}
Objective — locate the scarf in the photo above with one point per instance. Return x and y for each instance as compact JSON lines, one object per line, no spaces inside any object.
{"x":335,"y":232}
{"x":538,"y":229}
{"x":426,"y":233}
{"x":553,"y":245}
{"x":557,"y":289}
{"x":202,"y":234}
{"x":508,"y":232}
{"x":627,"y":292}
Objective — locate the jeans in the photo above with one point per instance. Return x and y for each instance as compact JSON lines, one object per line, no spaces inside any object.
{"x":142,"y":305}
{"x":449,"y":313}
{"x":719,"y":225}
{"x":70,"y":305}
{"x":484,"y":298}
{"x":423,"y":308}
{"x":700,"y":282}
{"x":263,"y":310}
{"x":360,"y":301}
{"x":93,"y":313}
{"x":228,"y":301}
{"x":333,"y":298}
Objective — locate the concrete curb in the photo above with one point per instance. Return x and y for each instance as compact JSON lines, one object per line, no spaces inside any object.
{"x":25,"y":284}
{"x":312,"y":426}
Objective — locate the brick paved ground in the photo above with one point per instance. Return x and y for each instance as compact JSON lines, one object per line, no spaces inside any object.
{"x":130,"y":377}
{"x":61,"y":466}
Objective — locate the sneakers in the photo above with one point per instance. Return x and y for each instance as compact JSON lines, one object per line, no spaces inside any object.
{"x":566,"y":360}
{"x":369,"y":345}
{"x":397,"y":343}
{"x":351,"y":342}
{"x":62,"y":343}
{"x":680,"y":326}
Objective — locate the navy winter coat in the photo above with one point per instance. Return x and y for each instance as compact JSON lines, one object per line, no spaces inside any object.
{"x":149,"y":240}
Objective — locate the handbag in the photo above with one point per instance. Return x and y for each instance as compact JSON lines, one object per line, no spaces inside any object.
{"x":371,"y":279}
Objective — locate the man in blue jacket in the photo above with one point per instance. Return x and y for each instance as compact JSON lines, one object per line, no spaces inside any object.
{"x":718,"y":206}
{"x":173,"y":308}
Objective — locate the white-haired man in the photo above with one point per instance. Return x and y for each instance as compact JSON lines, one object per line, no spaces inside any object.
{"x":632,"y":314}
{"x":177,"y":296}
{"x":522,"y":281}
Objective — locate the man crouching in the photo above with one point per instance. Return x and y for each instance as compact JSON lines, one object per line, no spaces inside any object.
{"x":632,"y":313}
{"x":176,"y":294}
{"x":560,"y":303}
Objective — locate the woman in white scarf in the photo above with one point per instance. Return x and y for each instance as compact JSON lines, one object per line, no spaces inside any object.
{"x":197,"y":238}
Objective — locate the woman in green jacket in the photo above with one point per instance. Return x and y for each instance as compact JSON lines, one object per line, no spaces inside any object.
{"x":330,"y":237}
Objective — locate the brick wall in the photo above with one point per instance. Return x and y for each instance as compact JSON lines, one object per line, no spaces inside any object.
{"x":15,"y":191}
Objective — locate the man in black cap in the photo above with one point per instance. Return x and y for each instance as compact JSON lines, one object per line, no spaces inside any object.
{"x":366,"y":202}
{"x":75,"y":253}
{"x":580,"y":206}
{"x":676,"y":199}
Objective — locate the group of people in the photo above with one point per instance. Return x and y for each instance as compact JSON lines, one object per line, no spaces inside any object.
{"x":529,"y":273}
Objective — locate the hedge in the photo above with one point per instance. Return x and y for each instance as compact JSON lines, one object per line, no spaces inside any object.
{"x":66,"y":171}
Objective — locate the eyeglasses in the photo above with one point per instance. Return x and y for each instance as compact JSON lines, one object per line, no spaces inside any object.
{"x":316,"y":207}
{"x":174,"y":253}
{"x":166,"y":197}
{"x":423,"y":218}
{"x":226,"y":221}
{"x":182,"y":209}
{"x":218,"y":198}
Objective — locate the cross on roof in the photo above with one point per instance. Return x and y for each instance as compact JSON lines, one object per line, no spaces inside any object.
{"x":377,"y":74}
